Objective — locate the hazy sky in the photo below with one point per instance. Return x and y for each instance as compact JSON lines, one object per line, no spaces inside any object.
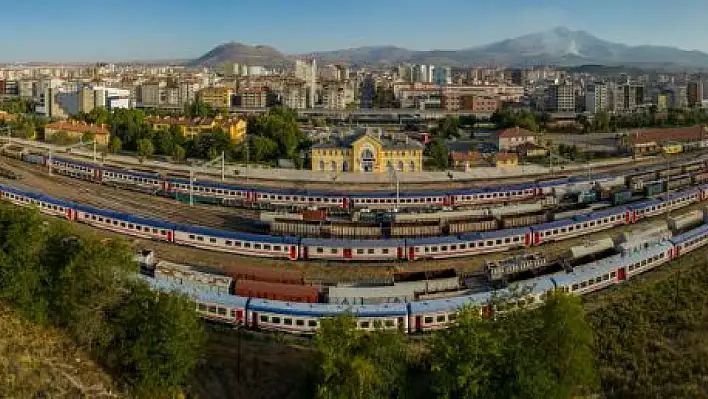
{"x":83,"y":30}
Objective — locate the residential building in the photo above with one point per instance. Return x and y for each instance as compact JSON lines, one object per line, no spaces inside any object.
{"x":509,"y":139}
{"x":234,"y":127}
{"x":86,"y":100}
{"x":76,"y":130}
{"x":367,"y":92}
{"x":596,"y":98}
{"x":479,"y":104}
{"x":253,"y":98}
{"x":626,"y":97}
{"x":694,"y":93}
{"x":465,"y":161}
{"x":294,"y":96}
{"x":561,"y":98}
{"x":367,"y":152}
{"x":678,"y":96}
{"x":336,"y":95}
{"x":216,"y":97}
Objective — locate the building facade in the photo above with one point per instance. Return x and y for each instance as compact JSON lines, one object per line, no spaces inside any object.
{"x":234,"y":127}
{"x":216,"y":97}
{"x":509,"y":139}
{"x":596,"y":98}
{"x":368,"y":153}
{"x":77,"y":130}
{"x":561,"y":98}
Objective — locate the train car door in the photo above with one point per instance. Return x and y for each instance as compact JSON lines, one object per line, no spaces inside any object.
{"x":345,"y":203}
{"x":347,"y":253}
{"x":254,"y":319}
{"x":417,"y":327}
{"x":293,"y":252}
{"x":400,"y":253}
{"x":536,"y":238}
{"x":97,"y":174}
{"x":170,"y":235}
{"x":411,"y":253}
{"x":239,"y":316}
{"x":621,"y":274}
{"x":69,"y":213}
{"x":527,"y":239}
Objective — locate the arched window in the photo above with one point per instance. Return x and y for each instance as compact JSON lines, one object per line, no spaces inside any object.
{"x":345,"y":166}
{"x":367,"y":160}
{"x":389,"y":165}
{"x":412,"y":166}
{"x":400,"y":166}
{"x":322,"y":165}
{"x":333,"y":166}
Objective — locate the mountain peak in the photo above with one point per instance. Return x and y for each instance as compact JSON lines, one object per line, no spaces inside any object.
{"x":561,"y":31}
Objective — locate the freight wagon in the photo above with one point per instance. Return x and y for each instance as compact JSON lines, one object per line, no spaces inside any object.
{"x":509,"y":222}
{"x":277,"y":291}
{"x":264,"y":274}
{"x":419,"y":229}
{"x":471,"y":226}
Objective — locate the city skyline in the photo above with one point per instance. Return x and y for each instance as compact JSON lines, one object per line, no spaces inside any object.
{"x":90,"y":31}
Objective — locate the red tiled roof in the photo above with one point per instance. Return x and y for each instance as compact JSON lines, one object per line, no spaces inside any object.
{"x":467,"y":156}
{"x":673,"y":134}
{"x":516,"y":132}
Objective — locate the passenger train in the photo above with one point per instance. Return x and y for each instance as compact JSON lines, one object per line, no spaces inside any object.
{"x":249,"y":196}
{"x":429,"y":315}
{"x":295,"y":248}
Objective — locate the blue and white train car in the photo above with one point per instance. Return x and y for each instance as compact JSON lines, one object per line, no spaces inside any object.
{"x":580,"y":225}
{"x":124,"y":223}
{"x":236,"y":242}
{"x":358,"y":250}
{"x":690,"y":240}
{"x":468,"y":244}
{"x":436,"y":314}
{"x":304,"y":318}
{"x":46,"y":204}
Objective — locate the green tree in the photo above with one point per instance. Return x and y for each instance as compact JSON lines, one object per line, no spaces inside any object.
{"x":164,"y":142}
{"x":262,"y":149}
{"x":448,"y":127}
{"x":115,"y":145}
{"x":145,"y":149}
{"x":199,"y":108}
{"x":437,"y":150}
{"x":178,"y":153}
{"x":88,"y":137}
{"x":358,"y":364}
{"x":464,"y":357}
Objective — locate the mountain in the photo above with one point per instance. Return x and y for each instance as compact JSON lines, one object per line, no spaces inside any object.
{"x":241,"y":53}
{"x":559,"y":46}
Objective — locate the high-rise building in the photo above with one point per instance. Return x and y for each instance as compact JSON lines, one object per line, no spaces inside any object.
{"x":306,"y":70}
{"x":86,"y":99}
{"x":596,"y":97}
{"x":367,"y":92}
{"x":694,"y":92}
{"x":561,"y":98}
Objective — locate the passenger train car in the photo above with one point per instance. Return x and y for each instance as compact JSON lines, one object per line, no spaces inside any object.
{"x":295,"y":248}
{"x":433,"y":314}
{"x":249,"y":196}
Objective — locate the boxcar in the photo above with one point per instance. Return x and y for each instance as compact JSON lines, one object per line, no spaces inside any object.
{"x":277,"y":291}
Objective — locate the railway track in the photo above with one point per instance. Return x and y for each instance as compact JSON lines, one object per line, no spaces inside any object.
{"x":145,"y":205}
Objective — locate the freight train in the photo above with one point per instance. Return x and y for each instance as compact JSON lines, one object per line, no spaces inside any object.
{"x":295,"y":248}
{"x":433,"y":314}
{"x":229,"y":194}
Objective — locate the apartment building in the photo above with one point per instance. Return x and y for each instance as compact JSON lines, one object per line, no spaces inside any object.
{"x":234,"y":127}
{"x":596,"y":97}
{"x":76,"y":130}
{"x":337,"y":95}
{"x":306,"y":70}
{"x":253,"y":98}
{"x":216,"y":97}
{"x":561,"y":98}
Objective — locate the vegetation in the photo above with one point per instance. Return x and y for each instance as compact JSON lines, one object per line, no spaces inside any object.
{"x":438,"y":152}
{"x":87,"y":288}
{"x":545,"y":352}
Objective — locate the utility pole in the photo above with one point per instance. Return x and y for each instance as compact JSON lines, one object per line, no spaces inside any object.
{"x":191,"y":186}
{"x":221,"y":158}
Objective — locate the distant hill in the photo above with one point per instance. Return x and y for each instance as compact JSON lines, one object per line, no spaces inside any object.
{"x":559,"y":46}
{"x":241,"y":53}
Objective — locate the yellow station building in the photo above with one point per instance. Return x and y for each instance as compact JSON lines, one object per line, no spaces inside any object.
{"x":368,"y":152}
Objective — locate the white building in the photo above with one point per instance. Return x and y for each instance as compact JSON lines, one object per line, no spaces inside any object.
{"x":596,"y":98}
{"x":306,"y":70}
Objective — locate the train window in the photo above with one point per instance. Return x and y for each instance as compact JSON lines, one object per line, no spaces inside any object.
{"x":264,"y":319}
{"x":583,"y":284}
{"x":200,"y":238}
{"x":288,"y":322}
{"x":202,"y":307}
{"x":360,"y":251}
{"x":333,"y":250}
{"x":247,"y":245}
{"x":427,"y":250}
{"x":606,"y":277}
{"x":233,"y":314}
{"x":266,"y":247}
{"x":364,"y":324}
{"x":370,"y":251}
{"x":319,"y":250}
{"x":434,"y":249}
{"x":238,"y":244}
{"x":93,"y":217}
{"x":384,"y":251}
{"x":229,"y":242}
{"x":312,"y":323}
{"x":507,"y":240}
{"x":571,"y":228}
{"x":453,"y":247}
{"x":463,"y":246}
{"x":191,"y":236}
{"x":299,"y":322}
{"x":389,"y":323}
{"x":212,"y":240}
{"x":443,"y":248}
{"x":212,"y":309}
{"x":256,"y":246}
{"x":490,"y":243}
{"x":428,"y":319}
{"x":452,"y":317}
{"x":440,"y":319}
{"x":131,"y":226}
{"x":222,"y":311}
{"x":100,"y":219}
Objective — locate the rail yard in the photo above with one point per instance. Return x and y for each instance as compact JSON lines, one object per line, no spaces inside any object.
{"x":595,"y":232}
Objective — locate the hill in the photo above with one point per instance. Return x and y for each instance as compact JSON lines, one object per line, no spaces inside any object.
{"x":241,"y":53}
{"x":42,"y":362}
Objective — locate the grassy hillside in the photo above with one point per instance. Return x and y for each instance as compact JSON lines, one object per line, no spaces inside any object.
{"x":652,"y":334}
{"x":41,"y":362}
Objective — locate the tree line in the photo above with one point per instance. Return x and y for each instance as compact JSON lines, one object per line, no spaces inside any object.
{"x":545,"y":352}
{"x":87,"y":287}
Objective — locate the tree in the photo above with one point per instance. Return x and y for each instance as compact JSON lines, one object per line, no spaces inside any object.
{"x":262,"y":149}
{"x":199,"y":108}
{"x":358,"y":364}
{"x":114,"y":146}
{"x":437,"y":150}
{"x":448,"y":127}
{"x":163,"y":141}
{"x":145,"y":149}
{"x":88,"y":137}
{"x":464,"y":357}
{"x":178,"y":153}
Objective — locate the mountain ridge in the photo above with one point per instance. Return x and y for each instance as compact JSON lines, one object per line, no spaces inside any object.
{"x":558,"y":46}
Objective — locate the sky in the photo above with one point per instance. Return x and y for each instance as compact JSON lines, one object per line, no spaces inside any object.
{"x":123,"y":30}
